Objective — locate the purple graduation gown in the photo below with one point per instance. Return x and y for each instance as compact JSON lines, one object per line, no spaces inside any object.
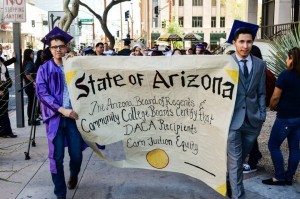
{"x":49,"y":90}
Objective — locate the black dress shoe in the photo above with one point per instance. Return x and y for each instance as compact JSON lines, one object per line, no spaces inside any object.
{"x":61,"y":197}
{"x":72,"y":182}
{"x":271,"y":182}
{"x":289,"y":182}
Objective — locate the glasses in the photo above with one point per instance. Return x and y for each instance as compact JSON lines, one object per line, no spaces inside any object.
{"x":58,"y":47}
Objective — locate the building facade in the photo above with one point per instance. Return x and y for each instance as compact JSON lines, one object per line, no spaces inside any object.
{"x":280,"y":12}
{"x":210,"y":19}
{"x":32,"y":31}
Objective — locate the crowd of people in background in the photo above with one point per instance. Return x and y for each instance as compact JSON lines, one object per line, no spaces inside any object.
{"x":138,"y":50}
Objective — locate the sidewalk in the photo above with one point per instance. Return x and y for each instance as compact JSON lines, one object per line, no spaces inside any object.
{"x":23,"y":179}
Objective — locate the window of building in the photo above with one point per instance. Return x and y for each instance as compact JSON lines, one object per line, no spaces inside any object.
{"x":197,"y":22}
{"x":194,"y":43}
{"x":154,"y":37}
{"x":223,"y":3}
{"x":222,"y":22}
{"x":197,"y":2}
{"x":181,"y":3}
{"x":214,"y":3}
{"x":213,"y":22}
{"x":215,"y":40}
{"x":173,"y":2}
{"x":180,"y":21}
{"x":163,"y":24}
{"x":154,"y":22}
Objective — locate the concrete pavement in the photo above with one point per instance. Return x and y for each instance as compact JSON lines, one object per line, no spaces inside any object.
{"x":23,"y":179}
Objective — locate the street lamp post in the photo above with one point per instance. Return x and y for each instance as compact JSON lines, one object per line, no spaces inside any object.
{"x":121,"y":18}
{"x":93,"y":24}
{"x":93,"y":27}
{"x":131,"y":22}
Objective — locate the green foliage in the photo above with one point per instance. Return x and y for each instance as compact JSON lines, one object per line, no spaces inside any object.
{"x":280,"y":46}
{"x":72,"y":45}
{"x":174,"y":27}
{"x":29,"y":45}
{"x":235,"y":9}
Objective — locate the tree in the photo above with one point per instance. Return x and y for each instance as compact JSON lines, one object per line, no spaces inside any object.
{"x":175,"y":28}
{"x":235,"y":9}
{"x":67,"y":20}
{"x":103,"y":19}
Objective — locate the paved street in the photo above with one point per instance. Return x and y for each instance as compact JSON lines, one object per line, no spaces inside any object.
{"x":23,"y":179}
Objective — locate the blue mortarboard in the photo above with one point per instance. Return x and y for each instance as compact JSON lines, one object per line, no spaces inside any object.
{"x":54,"y":32}
{"x":88,"y":50}
{"x":237,"y":24}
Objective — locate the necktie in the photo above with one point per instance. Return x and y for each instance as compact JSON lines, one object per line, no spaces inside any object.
{"x":246,"y":72}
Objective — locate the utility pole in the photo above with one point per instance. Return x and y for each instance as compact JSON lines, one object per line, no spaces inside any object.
{"x":170,"y":11}
{"x":18,"y":72}
{"x":121,"y":18}
{"x":148,"y":25}
{"x":128,"y":33}
{"x":93,"y":27}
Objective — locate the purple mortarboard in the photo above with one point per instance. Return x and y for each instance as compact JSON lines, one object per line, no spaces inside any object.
{"x":237,"y":24}
{"x":201,"y":46}
{"x":55,"y":32}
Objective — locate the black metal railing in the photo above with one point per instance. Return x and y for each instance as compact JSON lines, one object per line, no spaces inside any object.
{"x":271,"y":32}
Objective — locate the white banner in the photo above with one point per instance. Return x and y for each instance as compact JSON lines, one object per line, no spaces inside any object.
{"x":171,"y":113}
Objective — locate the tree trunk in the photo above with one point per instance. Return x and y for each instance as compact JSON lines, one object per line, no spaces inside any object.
{"x":66,"y":21}
{"x":103,"y":21}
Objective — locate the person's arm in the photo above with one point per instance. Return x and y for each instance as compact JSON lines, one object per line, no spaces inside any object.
{"x":45,"y":97}
{"x":10,"y":61}
{"x":68,"y":113}
{"x":29,"y":68}
{"x":261,"y":92}
{"x":43,"y":91}
{"x":275,"y":98}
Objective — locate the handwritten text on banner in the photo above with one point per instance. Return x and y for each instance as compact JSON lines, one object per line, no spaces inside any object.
{"x":171,"y":113}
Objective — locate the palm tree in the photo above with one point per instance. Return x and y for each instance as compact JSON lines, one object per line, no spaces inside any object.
{"x":280,"y":46}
